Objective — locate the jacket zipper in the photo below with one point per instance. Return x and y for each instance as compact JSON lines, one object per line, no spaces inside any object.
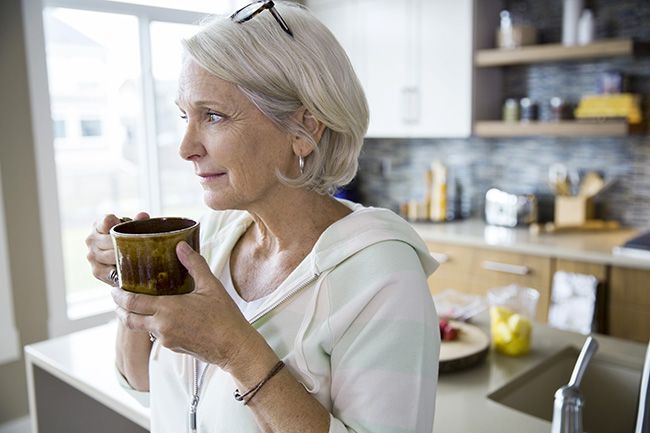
{"x":198,"y":382}
{"x":195,"y":392}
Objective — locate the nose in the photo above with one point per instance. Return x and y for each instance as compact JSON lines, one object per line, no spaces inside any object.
{"x":191,"y":148}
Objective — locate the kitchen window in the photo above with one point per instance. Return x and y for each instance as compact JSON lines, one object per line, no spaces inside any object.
{"x":107,"y":70}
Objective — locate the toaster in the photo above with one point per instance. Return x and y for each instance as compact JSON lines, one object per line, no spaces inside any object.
{"x":510,"y":210}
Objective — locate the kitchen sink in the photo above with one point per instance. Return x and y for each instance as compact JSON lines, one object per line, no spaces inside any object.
{"x":610,"y":388}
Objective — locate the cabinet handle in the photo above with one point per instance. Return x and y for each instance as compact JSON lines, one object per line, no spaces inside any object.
{"x":411,"y":104}
{"x":439,"y":257}
{"x":505,"y":267}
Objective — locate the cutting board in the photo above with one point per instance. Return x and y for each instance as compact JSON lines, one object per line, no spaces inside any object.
{"x":470,"y":348}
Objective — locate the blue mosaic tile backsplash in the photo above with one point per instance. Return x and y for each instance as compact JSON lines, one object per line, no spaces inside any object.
{"x":392,"y":170}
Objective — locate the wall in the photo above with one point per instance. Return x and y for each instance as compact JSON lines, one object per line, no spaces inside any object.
{"x":21,"y":207}
{"x":392,"y":171}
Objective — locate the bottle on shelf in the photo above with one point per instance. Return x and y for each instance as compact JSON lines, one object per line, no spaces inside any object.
{"x":570,"y":16}
{"x":438,"y":206}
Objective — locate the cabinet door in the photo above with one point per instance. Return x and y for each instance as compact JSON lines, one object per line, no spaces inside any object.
{"x":445,"y":81}
{"x":413,"y":58}
{"x":388,"y":51}
{"x":629,"y":304}
{"x":342,"y":17}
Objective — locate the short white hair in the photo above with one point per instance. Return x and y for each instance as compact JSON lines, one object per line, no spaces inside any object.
{"x":281,"y":74}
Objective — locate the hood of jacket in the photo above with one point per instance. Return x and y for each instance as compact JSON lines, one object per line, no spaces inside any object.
{"x":362,"y":228}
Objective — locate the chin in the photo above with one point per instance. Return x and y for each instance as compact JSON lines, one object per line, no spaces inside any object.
{"x":217,"y":201}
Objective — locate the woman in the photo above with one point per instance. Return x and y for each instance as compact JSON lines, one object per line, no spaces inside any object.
{"x":290,"y":277}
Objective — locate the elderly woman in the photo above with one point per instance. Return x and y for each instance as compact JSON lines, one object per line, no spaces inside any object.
{"x":310,"y":314}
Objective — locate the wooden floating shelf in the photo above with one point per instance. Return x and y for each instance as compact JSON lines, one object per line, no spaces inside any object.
{"x":559,"y":52}
{"x":552,"y":129}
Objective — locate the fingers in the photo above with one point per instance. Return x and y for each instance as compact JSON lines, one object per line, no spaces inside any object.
{"x":195,"y":265}
{"x":142,"y":216}
{"x":134,"y":321}
{"x":103,"y":273}
{"x":103,"y":257}
{"x":134,"y":302}
{"x":106,"y":224}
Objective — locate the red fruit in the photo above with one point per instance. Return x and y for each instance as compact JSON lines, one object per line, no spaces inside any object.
{"x":449,"y":333}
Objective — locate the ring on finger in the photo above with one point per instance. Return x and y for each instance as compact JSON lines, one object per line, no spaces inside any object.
{"x":112,"y":277}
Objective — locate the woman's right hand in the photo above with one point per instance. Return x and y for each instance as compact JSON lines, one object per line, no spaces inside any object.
{"x":101,"y":253}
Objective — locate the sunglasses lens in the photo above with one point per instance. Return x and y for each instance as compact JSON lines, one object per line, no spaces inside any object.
{"x":245,"y":12}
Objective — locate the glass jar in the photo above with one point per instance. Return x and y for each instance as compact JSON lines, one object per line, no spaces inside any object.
{"x":510,"y":110}
{"x":512,"y":310}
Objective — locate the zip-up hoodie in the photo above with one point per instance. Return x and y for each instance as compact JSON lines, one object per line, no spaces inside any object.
{"x":354,"y":323}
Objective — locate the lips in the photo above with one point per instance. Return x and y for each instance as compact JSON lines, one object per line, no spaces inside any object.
{"x":209,"y":177}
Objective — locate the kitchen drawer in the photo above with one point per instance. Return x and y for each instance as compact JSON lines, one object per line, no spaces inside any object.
{"x":438,"y":284}
{"x":629,"y":321}
{"x":498,"y":268}
{"x":475,"y":270}
{"x":455,"y":261}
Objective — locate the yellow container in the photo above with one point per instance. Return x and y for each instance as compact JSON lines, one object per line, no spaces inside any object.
{"x":625,"y":105}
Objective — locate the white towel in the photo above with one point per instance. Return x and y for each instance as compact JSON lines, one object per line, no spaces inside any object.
{"x":573,"y":300}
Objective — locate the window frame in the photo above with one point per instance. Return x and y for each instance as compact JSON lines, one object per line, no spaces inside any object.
{"x":59,"y":322}
{"x":9,"y":337}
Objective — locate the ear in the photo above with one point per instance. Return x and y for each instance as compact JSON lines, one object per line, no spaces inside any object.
{"x":312,"y":125}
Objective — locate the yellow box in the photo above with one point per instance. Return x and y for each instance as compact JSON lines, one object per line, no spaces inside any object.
{"x":620,"y":105}
{"x":573,"y":210}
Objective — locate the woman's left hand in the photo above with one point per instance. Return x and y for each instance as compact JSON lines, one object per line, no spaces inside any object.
{"x":205,"y":323}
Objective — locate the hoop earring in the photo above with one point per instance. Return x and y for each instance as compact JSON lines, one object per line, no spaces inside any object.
{"x":301,"y":164}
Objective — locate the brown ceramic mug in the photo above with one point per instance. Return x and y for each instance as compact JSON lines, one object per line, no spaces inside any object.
{"x":145,"y":252}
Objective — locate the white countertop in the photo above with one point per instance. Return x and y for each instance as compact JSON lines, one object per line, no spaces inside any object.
{"x":595,"y":247}
{"x":85,"y":360}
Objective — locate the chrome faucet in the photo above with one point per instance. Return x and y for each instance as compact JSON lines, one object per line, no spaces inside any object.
{"x":567,"y":409}
{"x":643,"y":414}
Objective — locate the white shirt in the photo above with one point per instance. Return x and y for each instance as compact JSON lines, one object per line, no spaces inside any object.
{"x":248,"y":308}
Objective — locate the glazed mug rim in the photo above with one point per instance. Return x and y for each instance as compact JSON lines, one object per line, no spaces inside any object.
{"x":117,"y":234}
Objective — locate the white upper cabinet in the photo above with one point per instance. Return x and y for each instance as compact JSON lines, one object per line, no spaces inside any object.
{"x":414,"y":59}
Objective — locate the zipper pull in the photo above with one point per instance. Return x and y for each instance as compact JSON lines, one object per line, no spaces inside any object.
{"x":193,"y":405}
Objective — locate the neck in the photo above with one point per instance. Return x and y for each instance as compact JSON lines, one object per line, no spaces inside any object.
{"x":294,"y":220}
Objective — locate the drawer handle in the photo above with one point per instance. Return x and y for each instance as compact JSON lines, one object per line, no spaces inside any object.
{"x":505,"y":267}
{"x":439,"y":257}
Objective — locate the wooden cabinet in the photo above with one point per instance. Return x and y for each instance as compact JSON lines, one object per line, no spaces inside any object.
{"x":475,"y":270}
{"x":622,"y":300}
{"x":629,"y":304}
{"x":414,"y":60}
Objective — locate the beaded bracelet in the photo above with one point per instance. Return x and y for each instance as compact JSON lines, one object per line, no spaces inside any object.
{"x":248,"y":395}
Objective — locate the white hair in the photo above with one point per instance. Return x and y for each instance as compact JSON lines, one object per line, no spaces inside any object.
{"x":281,"y":74}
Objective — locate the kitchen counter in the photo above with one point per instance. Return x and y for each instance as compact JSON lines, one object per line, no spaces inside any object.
{"x":595,"y":247}
{"x":82,"y":363}
{"x":462,"y":405}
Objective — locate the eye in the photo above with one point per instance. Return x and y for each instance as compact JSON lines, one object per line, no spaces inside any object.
{"x":214,"y":117}
{"x":184,"y":117}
